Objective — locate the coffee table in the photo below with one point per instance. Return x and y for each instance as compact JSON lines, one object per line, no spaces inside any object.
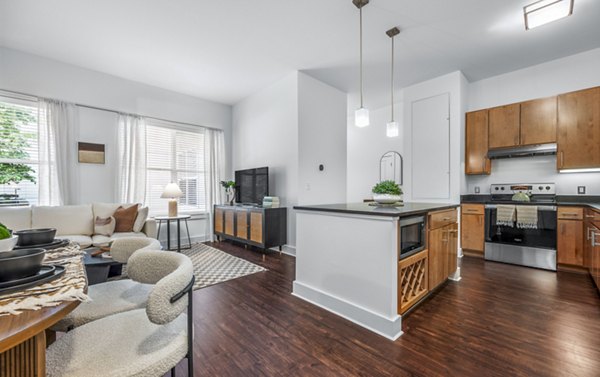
{"x":99,"y":269}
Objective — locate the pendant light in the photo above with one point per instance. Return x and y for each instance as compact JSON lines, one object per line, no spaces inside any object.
{"x":392,"y":128}
{"x":361,"y":115}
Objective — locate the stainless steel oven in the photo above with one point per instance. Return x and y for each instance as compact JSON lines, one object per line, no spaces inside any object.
{"x":412,"y":235}
{"x":526,"y":247}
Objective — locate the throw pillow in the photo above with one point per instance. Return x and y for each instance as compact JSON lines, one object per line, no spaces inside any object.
{"x":104,"y":226}
{"x":140,"y":220}
{"x":125,"y":218}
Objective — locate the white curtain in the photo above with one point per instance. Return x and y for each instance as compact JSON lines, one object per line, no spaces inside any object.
{"x":58,"y":176}
{"x":214,"y":173}
{"x":131,"y":178}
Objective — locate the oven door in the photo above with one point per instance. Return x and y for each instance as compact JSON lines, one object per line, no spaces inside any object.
{"x":412,"y":236}
{"x":543,"y":237}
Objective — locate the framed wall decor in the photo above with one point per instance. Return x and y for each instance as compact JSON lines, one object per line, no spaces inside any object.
{"x":89,"y":153}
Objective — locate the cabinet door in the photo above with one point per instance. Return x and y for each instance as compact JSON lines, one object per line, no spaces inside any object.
{"x":218,"y":220}
{"x":504,"y":126}
{"x":229,"y":222}
{"x":538,"y":121}
{"x":472,"y":232}
{"x":438,"y":254}
{"x":595,"y":268}
{"x":241,"y":229}
{"x":256,"y":227}
{"x":452,"y":260}
{"x":579,"y":129}
{"x":587,"y":245}
{"x":476,"y":143}
{"x":570,"y":242}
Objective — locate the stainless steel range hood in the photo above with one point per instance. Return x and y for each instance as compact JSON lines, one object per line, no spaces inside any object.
{"x":523,"y":151}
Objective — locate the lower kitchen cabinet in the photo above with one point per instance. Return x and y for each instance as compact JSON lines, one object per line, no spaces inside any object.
{"x":442,"y":246}
{"x":570,"y":237}
{"x":595,"y":254}
{"x":472,"y":225}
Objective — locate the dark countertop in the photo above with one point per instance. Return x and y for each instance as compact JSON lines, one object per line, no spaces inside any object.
{"x":591,"y":201}
{"x":365,"y":209}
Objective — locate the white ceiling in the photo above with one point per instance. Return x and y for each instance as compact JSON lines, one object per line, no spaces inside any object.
{"x":225,"y":50}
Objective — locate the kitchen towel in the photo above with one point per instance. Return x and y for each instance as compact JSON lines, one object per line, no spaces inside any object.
{"x":527,"y":217}
{"x":505,"y":215}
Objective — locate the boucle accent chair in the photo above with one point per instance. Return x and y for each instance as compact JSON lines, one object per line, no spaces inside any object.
{"x":114,"y":296}
{"x":140,"y":343}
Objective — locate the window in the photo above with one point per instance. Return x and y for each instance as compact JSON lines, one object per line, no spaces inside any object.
{"x":174,"y":154}
{"x":19,"y":158}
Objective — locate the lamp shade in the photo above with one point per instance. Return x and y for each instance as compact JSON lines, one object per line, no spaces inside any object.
{"x":361,"y":117}
{"x":392,"y":129}
{"x":172,"y":191}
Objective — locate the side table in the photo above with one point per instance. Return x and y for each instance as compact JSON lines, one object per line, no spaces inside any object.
{"x":178,"y":219}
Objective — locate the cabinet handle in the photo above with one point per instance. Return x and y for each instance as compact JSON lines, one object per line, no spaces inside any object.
{"x":590,"y":216}
{"x":594,"y":234}
{"x":562,"y":159}
{"x":587,"y":233}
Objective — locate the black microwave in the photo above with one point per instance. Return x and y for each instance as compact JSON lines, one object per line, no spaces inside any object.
{"x":412,"y":236}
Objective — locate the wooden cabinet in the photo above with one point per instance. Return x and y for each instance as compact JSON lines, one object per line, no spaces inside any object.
{"x":595,"y":257}
{"x":570,"y":236}
{"x":260,"y":227}
{"x":412,"y":280}
{"x":504,"y":126}
{"x":578,"y":134}
{"x":442,"y":241}
{"x":591,"y":221}
{"x":538,"y":121}
{"x":476,"y":143}
{"x":472,"y":223}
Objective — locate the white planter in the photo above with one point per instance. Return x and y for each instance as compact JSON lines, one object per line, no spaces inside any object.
{"x":8,"y":244}
{"x":387,"y":198}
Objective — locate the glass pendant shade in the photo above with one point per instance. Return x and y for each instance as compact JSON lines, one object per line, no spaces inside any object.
{"x":392,"y":129}
{"x":361,"y":117}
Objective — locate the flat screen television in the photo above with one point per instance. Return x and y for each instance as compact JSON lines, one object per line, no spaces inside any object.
{"x":252,"y":185}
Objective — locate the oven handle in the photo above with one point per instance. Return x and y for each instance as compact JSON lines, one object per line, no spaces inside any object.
{"x":540,"y":208}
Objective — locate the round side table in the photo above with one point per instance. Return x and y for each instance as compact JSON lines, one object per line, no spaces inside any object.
{"x":177,"y":219}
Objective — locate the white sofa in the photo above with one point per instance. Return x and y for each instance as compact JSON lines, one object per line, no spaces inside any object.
{"x":75,"y":222}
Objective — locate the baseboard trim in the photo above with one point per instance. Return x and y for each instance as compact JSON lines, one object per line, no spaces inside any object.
{"x":390,"y":328}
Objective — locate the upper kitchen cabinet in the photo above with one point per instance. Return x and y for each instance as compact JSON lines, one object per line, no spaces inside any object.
{"x":538,"y":121}
{"x":504,"y":126}
{"x":476,"y":143}
{"x":579,"y":130}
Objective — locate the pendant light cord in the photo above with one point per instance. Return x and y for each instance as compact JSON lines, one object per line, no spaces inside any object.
{"x":392,"y":79}
{"x":361,"y":59}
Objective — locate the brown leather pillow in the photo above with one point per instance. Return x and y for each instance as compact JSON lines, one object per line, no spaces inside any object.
{"x":125,"y":218}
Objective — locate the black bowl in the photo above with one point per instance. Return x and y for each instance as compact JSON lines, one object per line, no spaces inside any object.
{"x":32,"y":237}
{"x":17,"y":264}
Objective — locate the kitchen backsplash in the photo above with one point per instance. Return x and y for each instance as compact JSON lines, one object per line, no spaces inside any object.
{"x":534,"y":170}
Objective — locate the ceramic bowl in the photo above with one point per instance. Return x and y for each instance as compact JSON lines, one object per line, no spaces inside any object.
{"x":8,"y":244}
{"x":387,"y":198}
{"x":17,"y":264}
{"x":32,"y":237}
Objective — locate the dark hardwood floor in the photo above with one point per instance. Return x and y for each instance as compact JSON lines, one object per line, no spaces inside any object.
{"x":500,"y":320}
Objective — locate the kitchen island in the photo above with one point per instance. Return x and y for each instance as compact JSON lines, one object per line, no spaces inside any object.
{"x":348,"y":259}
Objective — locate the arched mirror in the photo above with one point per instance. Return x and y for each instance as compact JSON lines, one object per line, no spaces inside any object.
{"x":390,"y":167}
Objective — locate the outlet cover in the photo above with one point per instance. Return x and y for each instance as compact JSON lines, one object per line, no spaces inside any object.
{"x":477,"y":190}
{"x":581,"y":190}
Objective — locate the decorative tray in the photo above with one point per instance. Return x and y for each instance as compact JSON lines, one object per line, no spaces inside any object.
{"x":48,"y":246}
{"x":46,"y":274}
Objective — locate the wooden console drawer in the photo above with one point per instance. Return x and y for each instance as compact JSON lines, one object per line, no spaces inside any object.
{"x":473,"y":209}
{"x":442,"y":218}
{"x":570,"y":213}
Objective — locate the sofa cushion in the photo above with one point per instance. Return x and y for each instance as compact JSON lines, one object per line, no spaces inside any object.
{"x":100,"y":240}
{"x":16,"y":218}
{"x":140,"y":220}
{"x":67,"y":220}
{"x":83,"y":241}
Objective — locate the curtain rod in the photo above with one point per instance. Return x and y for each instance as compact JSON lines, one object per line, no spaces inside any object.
{"x":113,"y":111}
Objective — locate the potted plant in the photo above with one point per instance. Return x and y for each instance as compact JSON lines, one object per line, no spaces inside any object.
{"x":229,"y":187}
{"x":387,"y":192}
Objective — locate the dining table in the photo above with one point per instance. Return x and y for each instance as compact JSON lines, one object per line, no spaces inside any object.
{"x":25,"y":334}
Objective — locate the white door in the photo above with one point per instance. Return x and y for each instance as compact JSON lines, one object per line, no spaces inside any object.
{"x":431,"y":148}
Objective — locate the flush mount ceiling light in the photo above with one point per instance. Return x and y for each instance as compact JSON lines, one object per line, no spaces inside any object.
{"x":545,"y":11}
{"x":361,"y":115}
{"x":392,"y":128}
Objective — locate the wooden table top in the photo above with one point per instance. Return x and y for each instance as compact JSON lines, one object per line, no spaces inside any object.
{"x":15,"y":329}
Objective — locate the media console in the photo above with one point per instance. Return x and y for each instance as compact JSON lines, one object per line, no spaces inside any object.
{"x":257,"y":226}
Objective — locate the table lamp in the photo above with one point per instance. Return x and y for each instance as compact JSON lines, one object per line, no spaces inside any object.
{"x":172,"y":192}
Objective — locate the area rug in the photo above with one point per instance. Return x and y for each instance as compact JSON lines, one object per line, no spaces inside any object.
{"x":213,"y":266}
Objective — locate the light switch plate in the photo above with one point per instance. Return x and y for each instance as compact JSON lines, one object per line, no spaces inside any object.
{"x":477,"y":190}
{"x":581,"y":190}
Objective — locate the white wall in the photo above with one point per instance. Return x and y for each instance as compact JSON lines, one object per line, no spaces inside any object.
{"x":321,"y":140}
{"x":35,"y":75}
{"x":558,"y":76}
{"x":265,"y":133}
